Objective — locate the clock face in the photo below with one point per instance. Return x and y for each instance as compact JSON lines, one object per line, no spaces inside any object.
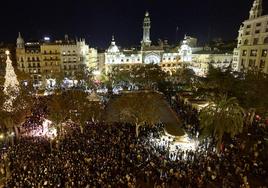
{"x":152,"y":58}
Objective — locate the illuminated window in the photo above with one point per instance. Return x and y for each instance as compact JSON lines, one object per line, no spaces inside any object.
{"x":264,"y":53}
{"x":253,"y":53}
{"x":244,"y":53}
{"x":262,"y":64}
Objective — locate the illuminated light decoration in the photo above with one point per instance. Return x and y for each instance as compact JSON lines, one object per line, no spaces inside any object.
{"x":152,"y":58}
{"x":185,"y":52}
{"x":47,"y":39}
{"x":11,"y":85}
{"x":51,"y":83}
{"x":96,"y":73}
{"x":46,"y":130}
{"x":173,"y":145}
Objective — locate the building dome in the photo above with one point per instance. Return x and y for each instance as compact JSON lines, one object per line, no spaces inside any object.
{"x":185,"y":51}
{"x":113,"y":48}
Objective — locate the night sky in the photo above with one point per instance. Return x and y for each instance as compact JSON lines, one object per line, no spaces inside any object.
{"x":98,"y":20}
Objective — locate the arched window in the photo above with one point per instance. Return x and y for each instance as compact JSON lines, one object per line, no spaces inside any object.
{"x":246,"y":42}
{"x":265,"y":40}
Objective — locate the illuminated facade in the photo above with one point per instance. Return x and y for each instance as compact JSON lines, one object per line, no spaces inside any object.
{"x":44,"y":60}
{"x":252,"y":47}
{"x":168,"y":58}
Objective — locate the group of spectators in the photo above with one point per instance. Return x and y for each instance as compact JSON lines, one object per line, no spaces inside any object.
{"x":110,"y":155}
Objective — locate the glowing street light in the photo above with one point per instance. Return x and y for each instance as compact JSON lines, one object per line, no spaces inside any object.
{"x":1,"y":136}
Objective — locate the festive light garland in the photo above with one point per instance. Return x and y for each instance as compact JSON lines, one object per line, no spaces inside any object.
{"x":11,"y":85}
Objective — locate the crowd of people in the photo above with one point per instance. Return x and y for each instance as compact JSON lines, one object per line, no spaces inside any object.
{"x":110,"y":155}
{"x":188,"y":116}
{"x":106,"y":155}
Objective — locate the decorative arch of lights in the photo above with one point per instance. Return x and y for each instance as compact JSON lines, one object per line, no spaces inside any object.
{"x":152,"y":58}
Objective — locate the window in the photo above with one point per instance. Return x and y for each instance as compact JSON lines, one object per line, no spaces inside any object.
{"x":246,"y":42}
{"x":38,"y":64}
{"x":264,"y":53}
{"x":243,"y":62}
{"x":244,"y":53}
{"x":258,"y":24}
{"x":262,"y":64}
{"x":33,"y":64}
{"x":46,"y":63}
{"x":255,"y":41}
{"x":265,"y":41}
{"x":253,"y":53}
{"x":247,"y":33}
{"x":257,"y":31}
{"x":251,"y":62}
{"x":248,"y":26}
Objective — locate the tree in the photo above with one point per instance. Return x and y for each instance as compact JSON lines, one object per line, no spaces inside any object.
{"x":23,"y":104}
{"x":58,"y":110}
{"x":224,"y":116}
{"x":184,"y":77}
{"x":137,"y":108}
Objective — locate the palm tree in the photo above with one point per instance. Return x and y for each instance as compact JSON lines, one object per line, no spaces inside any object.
{"x":225,"y":116}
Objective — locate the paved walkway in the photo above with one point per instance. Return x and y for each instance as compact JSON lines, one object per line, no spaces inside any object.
{"x":163,"y":110}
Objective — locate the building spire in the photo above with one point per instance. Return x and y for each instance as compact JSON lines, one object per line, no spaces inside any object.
{"x":256,"y":9}
{"x":146,"y":30}
{"x":20,"y":41}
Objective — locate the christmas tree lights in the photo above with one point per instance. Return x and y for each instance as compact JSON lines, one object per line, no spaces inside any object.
{"x":11,"y":85}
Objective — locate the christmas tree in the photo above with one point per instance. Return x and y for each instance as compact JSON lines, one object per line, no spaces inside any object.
{"x":11,"y":85}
